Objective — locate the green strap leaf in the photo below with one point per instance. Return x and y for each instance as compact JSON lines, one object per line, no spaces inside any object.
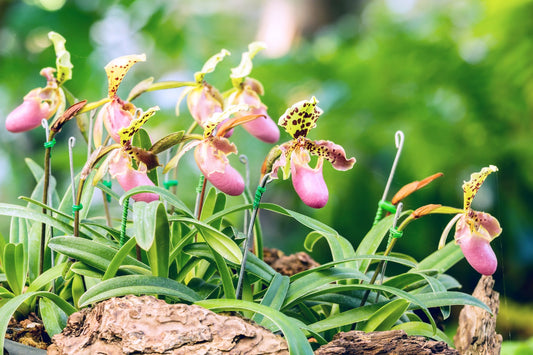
{"x":15,"y":266}
{"x":137,"y":285}
{"x":442,"y":259}
{"x":275,"y":295}
{"x":54,"y":319}
{"x":385,"y":317}
{"x":423,"y":329}
{"x":296,"y":339}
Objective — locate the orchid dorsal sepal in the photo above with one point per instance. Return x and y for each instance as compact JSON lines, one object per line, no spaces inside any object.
{"x":127,"y":133}
{"x":210,"y":65}
{"x":117,"y":69}
{"x":300,"y":117}
{"x":63,"y":64}
{"x":471,"y":187}
{"x":239,"y":73}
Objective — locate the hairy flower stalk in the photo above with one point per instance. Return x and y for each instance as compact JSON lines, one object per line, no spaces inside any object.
{"x":294,"y":156}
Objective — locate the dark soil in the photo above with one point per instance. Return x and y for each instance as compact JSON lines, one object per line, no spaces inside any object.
{"x":29,"y":331}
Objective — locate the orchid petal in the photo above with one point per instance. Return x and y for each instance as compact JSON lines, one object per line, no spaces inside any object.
{"x":121,"y":169}
{"x":300,"y":117}
{"x":117,"y":69}
{"x":127,"y":133}
{"x":212,"y":161}
{"x":334,"y":153}
{"x":308,"y":183}
{"x":218,"y":117}
{"x":203,"y":101}
{"x":116,"y":115}
{"x":471,"y":187}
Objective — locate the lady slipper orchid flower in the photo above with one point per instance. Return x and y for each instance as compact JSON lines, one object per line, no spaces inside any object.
{"x":247,"y":92}
{"x":263,"y":127}
{"x":295,"y":155}
{"x":211,"y":152}
{"x":475,"y":230}
{"x":116,"y":114}
{"x":120,"y":162}
{"x":39,"y":103}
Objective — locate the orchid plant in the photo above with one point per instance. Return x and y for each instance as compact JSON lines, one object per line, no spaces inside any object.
{"x":69,"y":260}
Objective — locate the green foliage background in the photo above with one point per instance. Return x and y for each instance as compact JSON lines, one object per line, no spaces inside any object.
{"x":456,"y":77}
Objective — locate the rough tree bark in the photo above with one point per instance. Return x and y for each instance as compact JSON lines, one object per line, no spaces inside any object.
{"x":476,"y":333}
{"x":146,"y":325}
{"x":386,"y":342}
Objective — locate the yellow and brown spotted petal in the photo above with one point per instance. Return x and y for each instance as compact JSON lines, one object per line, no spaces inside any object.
{"x":127,"y":133}
{"x":329,"y":151}
{"x":470,"y":188}
{"x":117,"y":69}
{"x":300,"y":117}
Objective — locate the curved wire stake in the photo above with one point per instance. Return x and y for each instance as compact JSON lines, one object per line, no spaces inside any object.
{"x":71,"y":144}
{"x":244,"y":160}
{"x":398,"y":139}
{"x":258,"y":195}
{"x":44,"y":123}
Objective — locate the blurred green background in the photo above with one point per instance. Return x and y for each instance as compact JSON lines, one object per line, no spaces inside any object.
{"x":455,"y":77}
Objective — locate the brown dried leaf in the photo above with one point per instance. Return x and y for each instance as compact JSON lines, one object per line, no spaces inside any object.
{"x":67,"y":115}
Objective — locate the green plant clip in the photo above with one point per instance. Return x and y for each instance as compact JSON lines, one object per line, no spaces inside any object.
{"x":50,"y":144}
{"x":170,"y":183}
{"x":123,"y":223}
{"x":76,"y":208}
{"x":258,"y":194}
{"x":394,"y":233}
{"x":383,"y":206}
{"x":200,"y":184}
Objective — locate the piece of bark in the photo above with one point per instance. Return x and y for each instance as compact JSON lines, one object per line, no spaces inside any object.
{"x":476,"y":333}
{"x":385,"y":342}
{"x":288,"y":264}
{"x":146,"y":325}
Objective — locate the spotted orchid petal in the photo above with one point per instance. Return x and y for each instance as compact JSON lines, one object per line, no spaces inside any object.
{"x":121,"y":169}
{"x":308,"y":183}
{"x":211,"y":158}
{"x":330,"y":151}
{"x":135,"y":125}
{"x":263,"y":128}
{"x":475,"y":245}
{"x":117,"y":69}
{"x":300,"y":117}
{"x":471,"y":187}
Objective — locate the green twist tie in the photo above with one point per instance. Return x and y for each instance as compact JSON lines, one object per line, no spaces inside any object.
{"x":394,"y":233}
{"x":383,"y":206}
{"x":170,"y":183}
{"x":258,"y":194}
{"x":76,"y":208}
{"x":108,"y":184}
{"x":200,"y":185}
{"x":50,"y":144}
{"x":124,"y":221}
